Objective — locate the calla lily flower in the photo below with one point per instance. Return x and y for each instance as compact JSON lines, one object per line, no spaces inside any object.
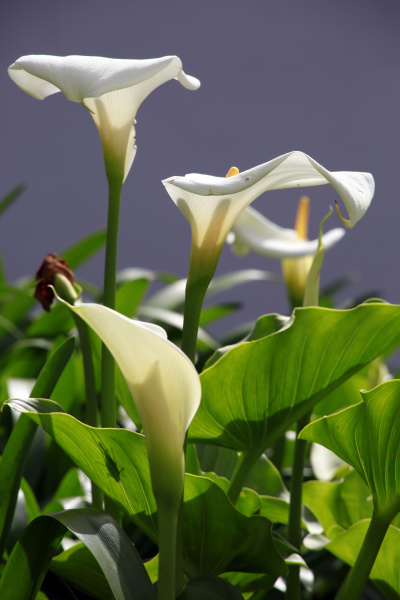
{"x":111,"y":89}
{"x":212,"y":204}
{"x":252,"y":231}
{"x":164,"y":384}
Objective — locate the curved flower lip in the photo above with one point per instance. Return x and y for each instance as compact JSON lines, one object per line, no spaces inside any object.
{"x":141,"y":349}
{"x":252,"y":231}
{"x":112,"y":89}
{"x":80,"y":77}
{"x":294,"y":169}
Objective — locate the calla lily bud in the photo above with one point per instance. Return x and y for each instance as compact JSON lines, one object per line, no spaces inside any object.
{"x":54,"y":272}
{"x":165,"y":387}
{"x":111,"y":89}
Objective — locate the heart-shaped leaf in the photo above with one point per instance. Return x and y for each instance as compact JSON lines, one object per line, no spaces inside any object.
{"x":254,"y":393}
{"x":367,"y":437}
{"x":217,"y":536}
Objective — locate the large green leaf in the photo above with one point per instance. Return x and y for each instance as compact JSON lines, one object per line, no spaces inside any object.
{"x":339,"y":503}
{"x":367,"y":436}
{"x":385,"y":572}
{"x":254,"y":393}
{"x":217,"y":537}
{"x":115,"y":553}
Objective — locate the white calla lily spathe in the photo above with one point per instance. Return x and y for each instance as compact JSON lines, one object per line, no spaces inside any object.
{"x":254,"y":232}
{"x":212,"y":204}
{"x":165,"y":387}
{"x":111,"y":89}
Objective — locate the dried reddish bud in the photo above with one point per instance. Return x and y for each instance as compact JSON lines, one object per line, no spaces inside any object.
{"x":45,"y":277}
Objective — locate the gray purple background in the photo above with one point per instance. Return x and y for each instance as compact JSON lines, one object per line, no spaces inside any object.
{"x":321,"y":76}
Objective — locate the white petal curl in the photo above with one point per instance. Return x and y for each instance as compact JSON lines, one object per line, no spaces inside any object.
{"x":112,"y":89}
{"x":252,"y":231}
{"x":80,"y":77}
{"x":212,"y":204}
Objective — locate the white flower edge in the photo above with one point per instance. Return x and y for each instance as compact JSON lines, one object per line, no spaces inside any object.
{"x":254,"y":232}
{"x":294,"y":169}
{"x":80,"y":77}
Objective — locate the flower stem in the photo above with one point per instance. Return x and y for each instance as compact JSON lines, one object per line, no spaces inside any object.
{"x":194,"y":296}
{"x":167,"y":525}
{"x":357,"y":578}
{"x":108,"y":404}
{"x":296,"y":491}
{"x":90,"y":392}
{"x":243,"y":467}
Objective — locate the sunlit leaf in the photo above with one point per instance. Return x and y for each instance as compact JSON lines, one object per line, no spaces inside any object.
{"x":254,"y":393}
{"x":385,"y":572}
{"x":367,"y":436}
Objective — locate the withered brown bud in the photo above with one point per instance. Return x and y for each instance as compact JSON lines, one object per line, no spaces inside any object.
{"x":51,"y":266}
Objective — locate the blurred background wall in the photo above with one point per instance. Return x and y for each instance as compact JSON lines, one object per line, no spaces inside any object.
{"x":277,"y":75}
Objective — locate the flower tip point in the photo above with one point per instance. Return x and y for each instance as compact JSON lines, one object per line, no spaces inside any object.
{"x":345,"y":222}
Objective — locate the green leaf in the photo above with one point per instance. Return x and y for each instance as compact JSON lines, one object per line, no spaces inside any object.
{"x":385,"y":572}
{"x":217,"y":537}
{"x":16,"y":452}
{"x":173,"y":296}
{"x":367,"y":437}
{"x":84,"y":249}
{"x":263,"y":327}
{"x":210,"y":314}
{"x":70,"y":487}
{"x":78,"y":566}
{"x":107,"y":542}
{"x":254,"y":393}
{"x":250,"y":582}
{"x":11,"y":197}
{"x":32,"y":506}
{"x":18,"y":301}
{"x":51,"y":324}
{"x":338,"y":503}
{"x":129,"y":296}
{"x":211,"y":588}
{"x":114,"y":459}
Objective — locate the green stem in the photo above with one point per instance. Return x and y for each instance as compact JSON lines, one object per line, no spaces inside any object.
{"x":108,"y":404}
{"x":194,"y":296}
{"x":167,"y":527}
{"x":243,"y":467}
{"x":296,"y":491}
{"x":90,"y":393}
{"x":357,"y":578}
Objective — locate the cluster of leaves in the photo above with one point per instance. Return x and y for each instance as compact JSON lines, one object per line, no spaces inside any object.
{"x":239,"y":453}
